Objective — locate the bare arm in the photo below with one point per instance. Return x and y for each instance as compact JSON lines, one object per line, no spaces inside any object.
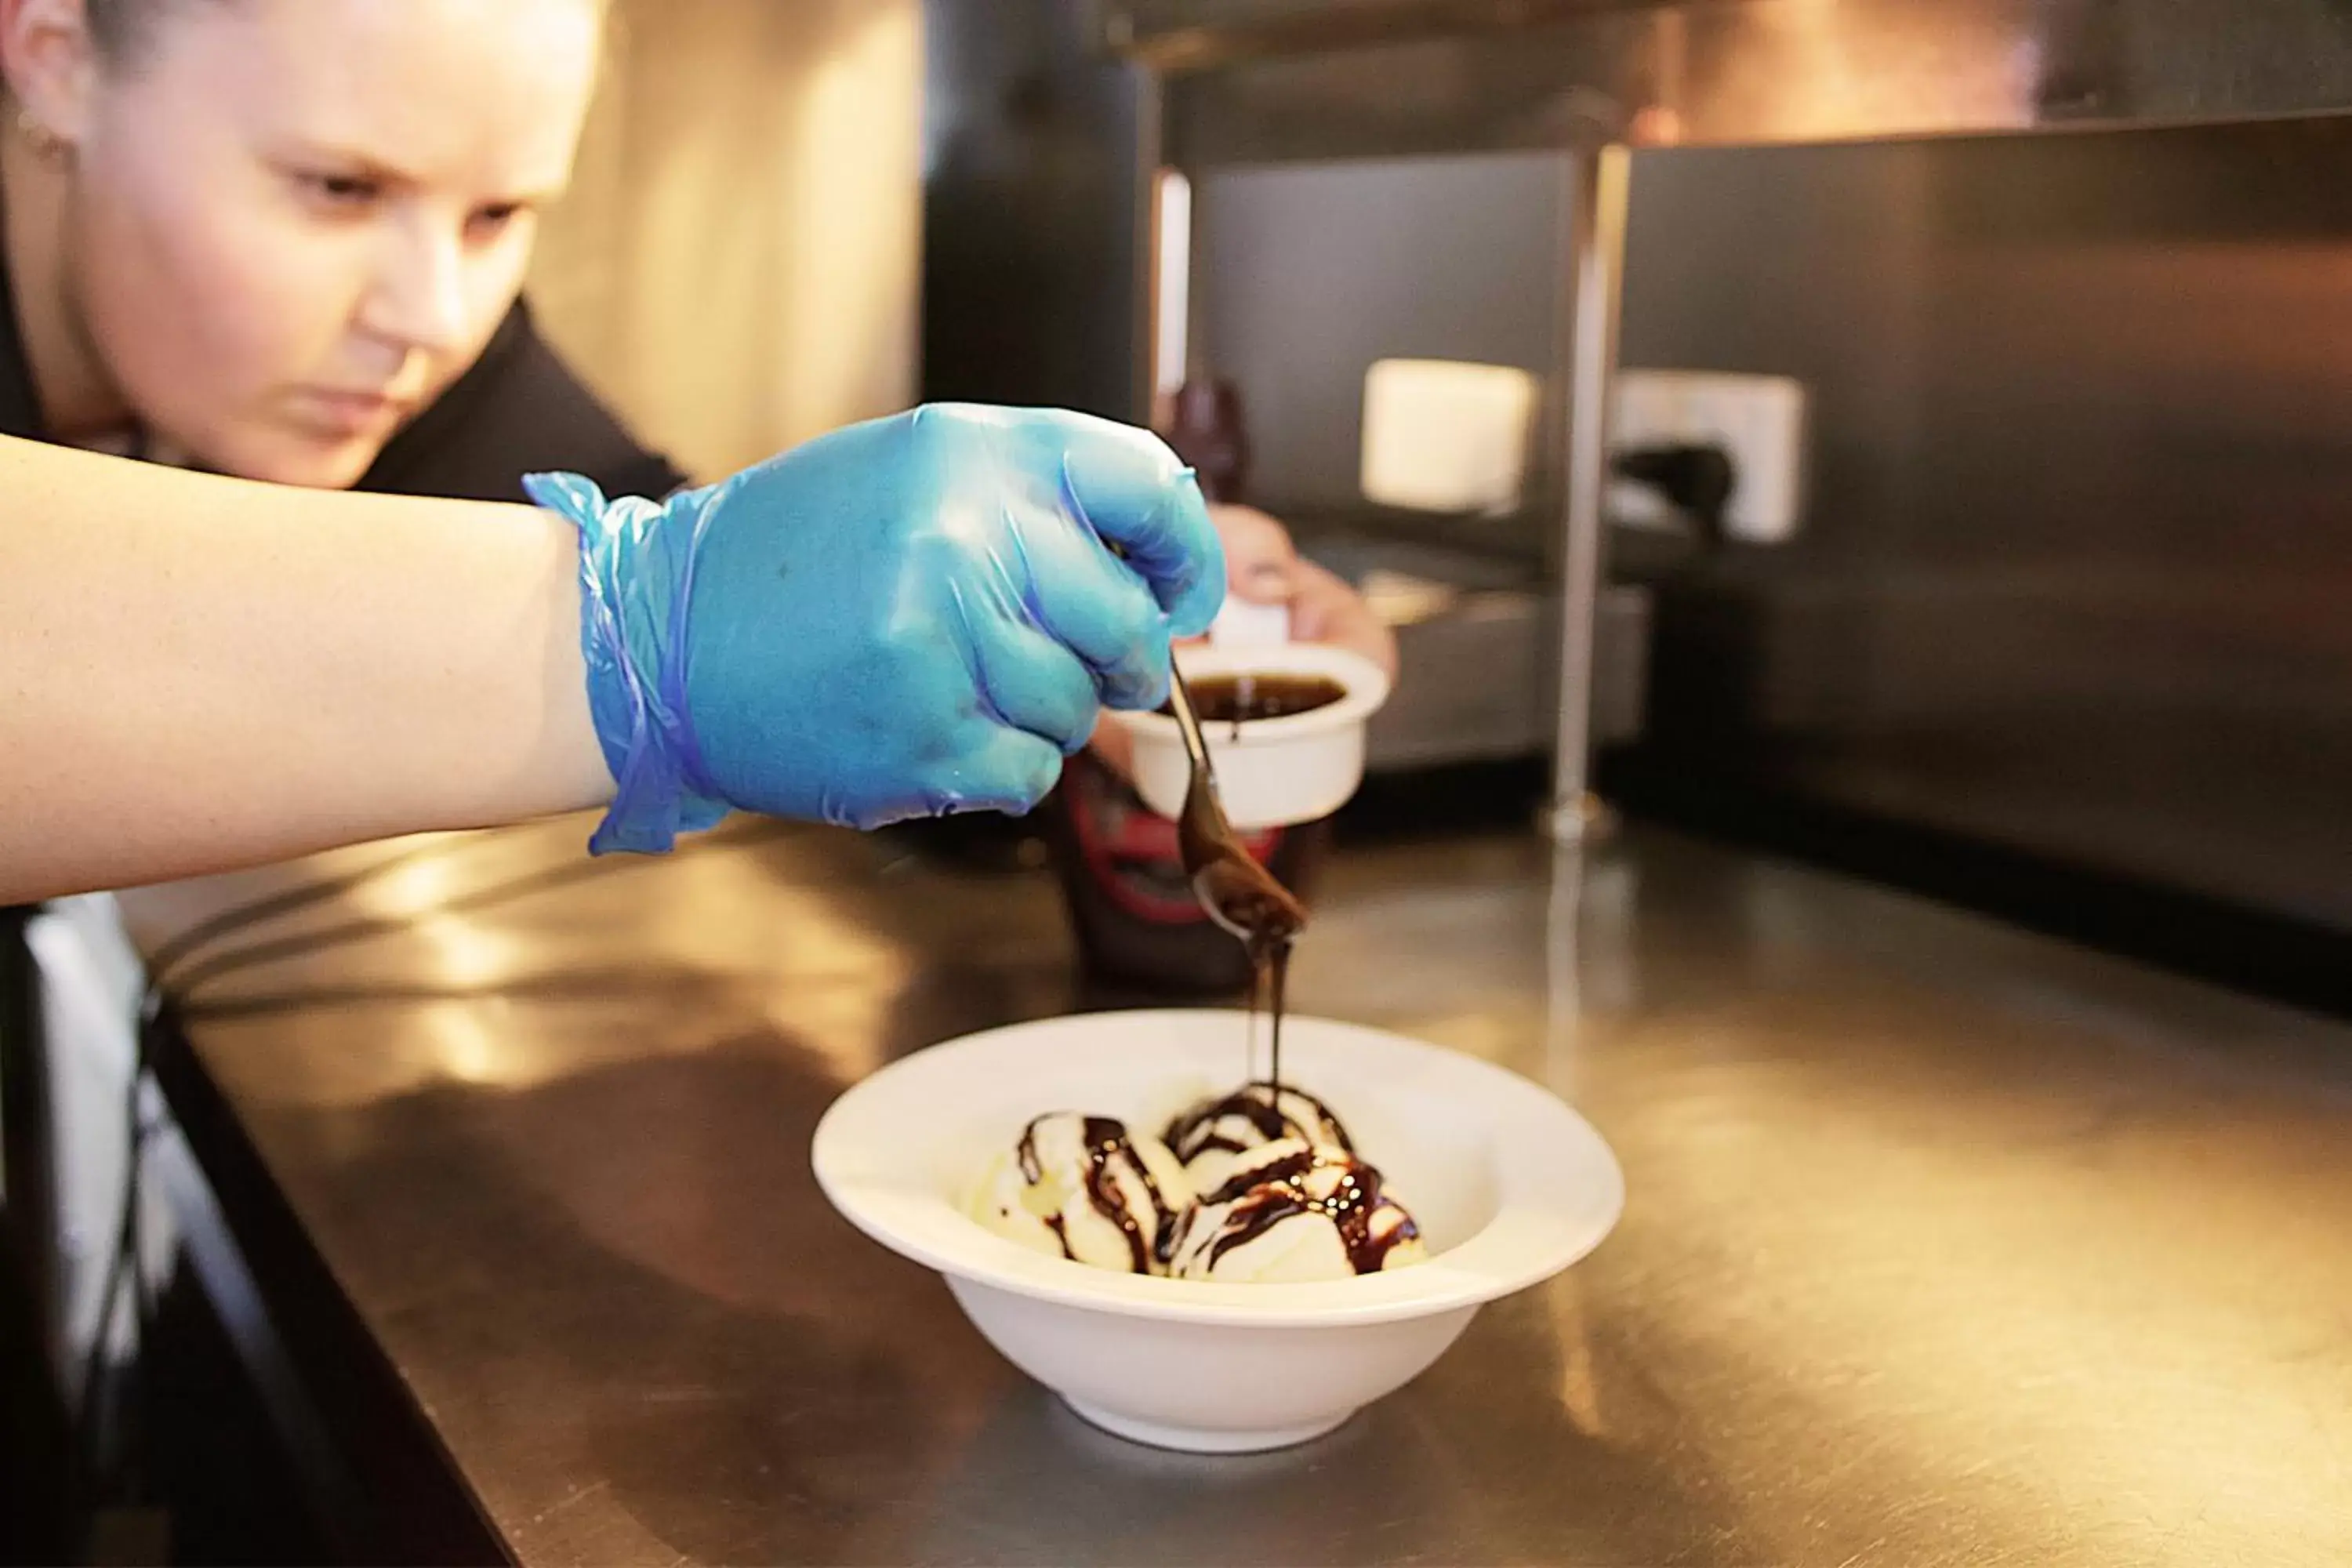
{"x":197,"y":673}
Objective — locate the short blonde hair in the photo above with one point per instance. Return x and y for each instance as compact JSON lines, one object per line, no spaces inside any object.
{"x":121,"y":28}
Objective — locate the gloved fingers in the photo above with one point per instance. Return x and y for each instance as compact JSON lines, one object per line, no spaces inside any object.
{"x":1002,"y":769}
{"x":1033,"y":683}
{"x":1083,"y":599}
{"x":1133,"y":492}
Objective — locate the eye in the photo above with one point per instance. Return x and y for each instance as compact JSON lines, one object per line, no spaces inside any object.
{"x":487,"y":223}
{"x":341,"y":192}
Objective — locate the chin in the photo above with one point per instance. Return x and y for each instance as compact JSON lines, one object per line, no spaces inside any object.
{"x":310,"y":462}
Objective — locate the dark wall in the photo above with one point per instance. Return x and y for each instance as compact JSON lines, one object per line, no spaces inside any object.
{"x":1306,"y":273}
{"x":1029,"y":252}
{"x":2077,"y":575}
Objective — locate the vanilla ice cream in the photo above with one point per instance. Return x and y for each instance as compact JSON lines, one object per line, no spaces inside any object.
{"x":1216,"y":1133}
{"x":1085,"y":1188}
{"x":1294,"y":1211}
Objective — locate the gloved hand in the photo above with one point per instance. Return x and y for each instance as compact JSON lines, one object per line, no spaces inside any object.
{"x":1263,"y":566}
{"x":910,"y":616}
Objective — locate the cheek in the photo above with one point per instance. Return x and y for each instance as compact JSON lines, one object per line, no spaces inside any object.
{"x":203,"y":307}
{"x":493,"y":283}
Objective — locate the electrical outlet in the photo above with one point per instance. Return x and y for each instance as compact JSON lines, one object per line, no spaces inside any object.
{"x":1447,"y":436}
{"x":1758,"y":419}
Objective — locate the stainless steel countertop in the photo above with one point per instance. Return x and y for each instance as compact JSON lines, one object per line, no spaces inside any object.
{"x":1945,"y":1244}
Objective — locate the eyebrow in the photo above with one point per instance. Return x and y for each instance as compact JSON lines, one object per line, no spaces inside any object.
{"x":363,"y":163}
{"x":373,"y":168}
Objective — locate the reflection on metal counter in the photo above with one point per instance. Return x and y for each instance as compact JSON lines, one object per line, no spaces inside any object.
{"x":1944,"y":1243}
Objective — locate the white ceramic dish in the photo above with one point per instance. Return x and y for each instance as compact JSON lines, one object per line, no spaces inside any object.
{"x":1508,"y":1185}
{"x":1270,"y":773}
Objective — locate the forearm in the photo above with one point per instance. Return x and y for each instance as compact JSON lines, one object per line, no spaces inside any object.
{"x":197,"y":673}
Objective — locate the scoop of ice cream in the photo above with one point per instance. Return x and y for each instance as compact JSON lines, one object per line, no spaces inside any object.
{"x":1216,"y":1133}
{"x":1083,"y":1187}
{"x":1292,"y":1212}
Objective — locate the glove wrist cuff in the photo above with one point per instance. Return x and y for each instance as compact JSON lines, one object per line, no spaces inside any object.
{"x":637,"y":585}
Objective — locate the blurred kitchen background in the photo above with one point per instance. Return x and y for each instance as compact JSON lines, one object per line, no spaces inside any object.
{"x":2049,"y":604}
{"x":2070,"y":577}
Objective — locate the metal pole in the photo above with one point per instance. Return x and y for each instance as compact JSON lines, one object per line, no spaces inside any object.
{"x":1601,"y":177}
{"x":1150,"y":104}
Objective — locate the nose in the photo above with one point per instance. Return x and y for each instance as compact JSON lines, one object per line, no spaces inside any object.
{"x":418,"y":300}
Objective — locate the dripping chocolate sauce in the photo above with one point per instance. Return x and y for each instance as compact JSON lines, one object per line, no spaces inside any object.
{"x":1224,"y":875}
{"x":1105,"y":1140}
{"x":1270,"y":953}
{"x":1207,"y":429}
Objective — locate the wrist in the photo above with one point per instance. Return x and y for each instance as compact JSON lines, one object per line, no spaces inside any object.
{"x":636,"y":583}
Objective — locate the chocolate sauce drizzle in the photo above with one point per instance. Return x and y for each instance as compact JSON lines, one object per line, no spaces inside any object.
{"x":1269,"y":951}
{"x":1287,"y":1169}
{"x":1274,"y":955}
{"x":1194,"y":1131}
{"x":1105,"y":1140}
{"x":1264,"y":1196}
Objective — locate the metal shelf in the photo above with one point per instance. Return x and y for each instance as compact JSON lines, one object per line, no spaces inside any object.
{"x":1253,"y":79}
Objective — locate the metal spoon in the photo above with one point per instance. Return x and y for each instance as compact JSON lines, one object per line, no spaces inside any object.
{"x":1238,"y":893}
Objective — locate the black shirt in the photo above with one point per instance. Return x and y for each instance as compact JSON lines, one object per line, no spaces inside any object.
{"x":518,"y":410}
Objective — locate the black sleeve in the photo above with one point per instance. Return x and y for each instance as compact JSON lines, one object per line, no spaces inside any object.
{"x":520,"y":410}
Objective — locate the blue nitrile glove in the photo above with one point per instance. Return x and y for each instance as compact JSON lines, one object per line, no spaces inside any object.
{"x":903,"y":619}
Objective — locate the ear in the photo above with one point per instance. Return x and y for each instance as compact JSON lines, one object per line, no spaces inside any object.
{"x":51,"y":63}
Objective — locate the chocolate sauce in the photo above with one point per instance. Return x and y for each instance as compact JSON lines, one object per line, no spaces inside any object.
{"x":1183,"y":1134}
{"x":1238,"y":892}
{"x":1107,"y":1139}
{"x":1269,"y":954}
{"x":1264,"y":1197}
{"x":1274,"y":958}
{"x":1289,"y":1168}
{"x":1194,"y":1131}
{"x":1243,"y":699}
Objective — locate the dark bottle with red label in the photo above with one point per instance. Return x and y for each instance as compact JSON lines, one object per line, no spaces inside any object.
{"x":1132,"y":908}
{"x":1205,"y":427}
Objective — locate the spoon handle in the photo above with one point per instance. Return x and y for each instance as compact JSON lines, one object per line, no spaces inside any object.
{"x":1188,"y":723}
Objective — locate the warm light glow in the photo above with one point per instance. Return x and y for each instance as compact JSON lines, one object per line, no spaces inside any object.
{"x":469,"y":1051}
{"x":1173,"y":282}
{"x":736,"y":266}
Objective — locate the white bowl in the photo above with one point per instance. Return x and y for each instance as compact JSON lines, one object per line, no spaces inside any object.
{"x":1508,"y":1185}
{"x":1270,"y":773}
